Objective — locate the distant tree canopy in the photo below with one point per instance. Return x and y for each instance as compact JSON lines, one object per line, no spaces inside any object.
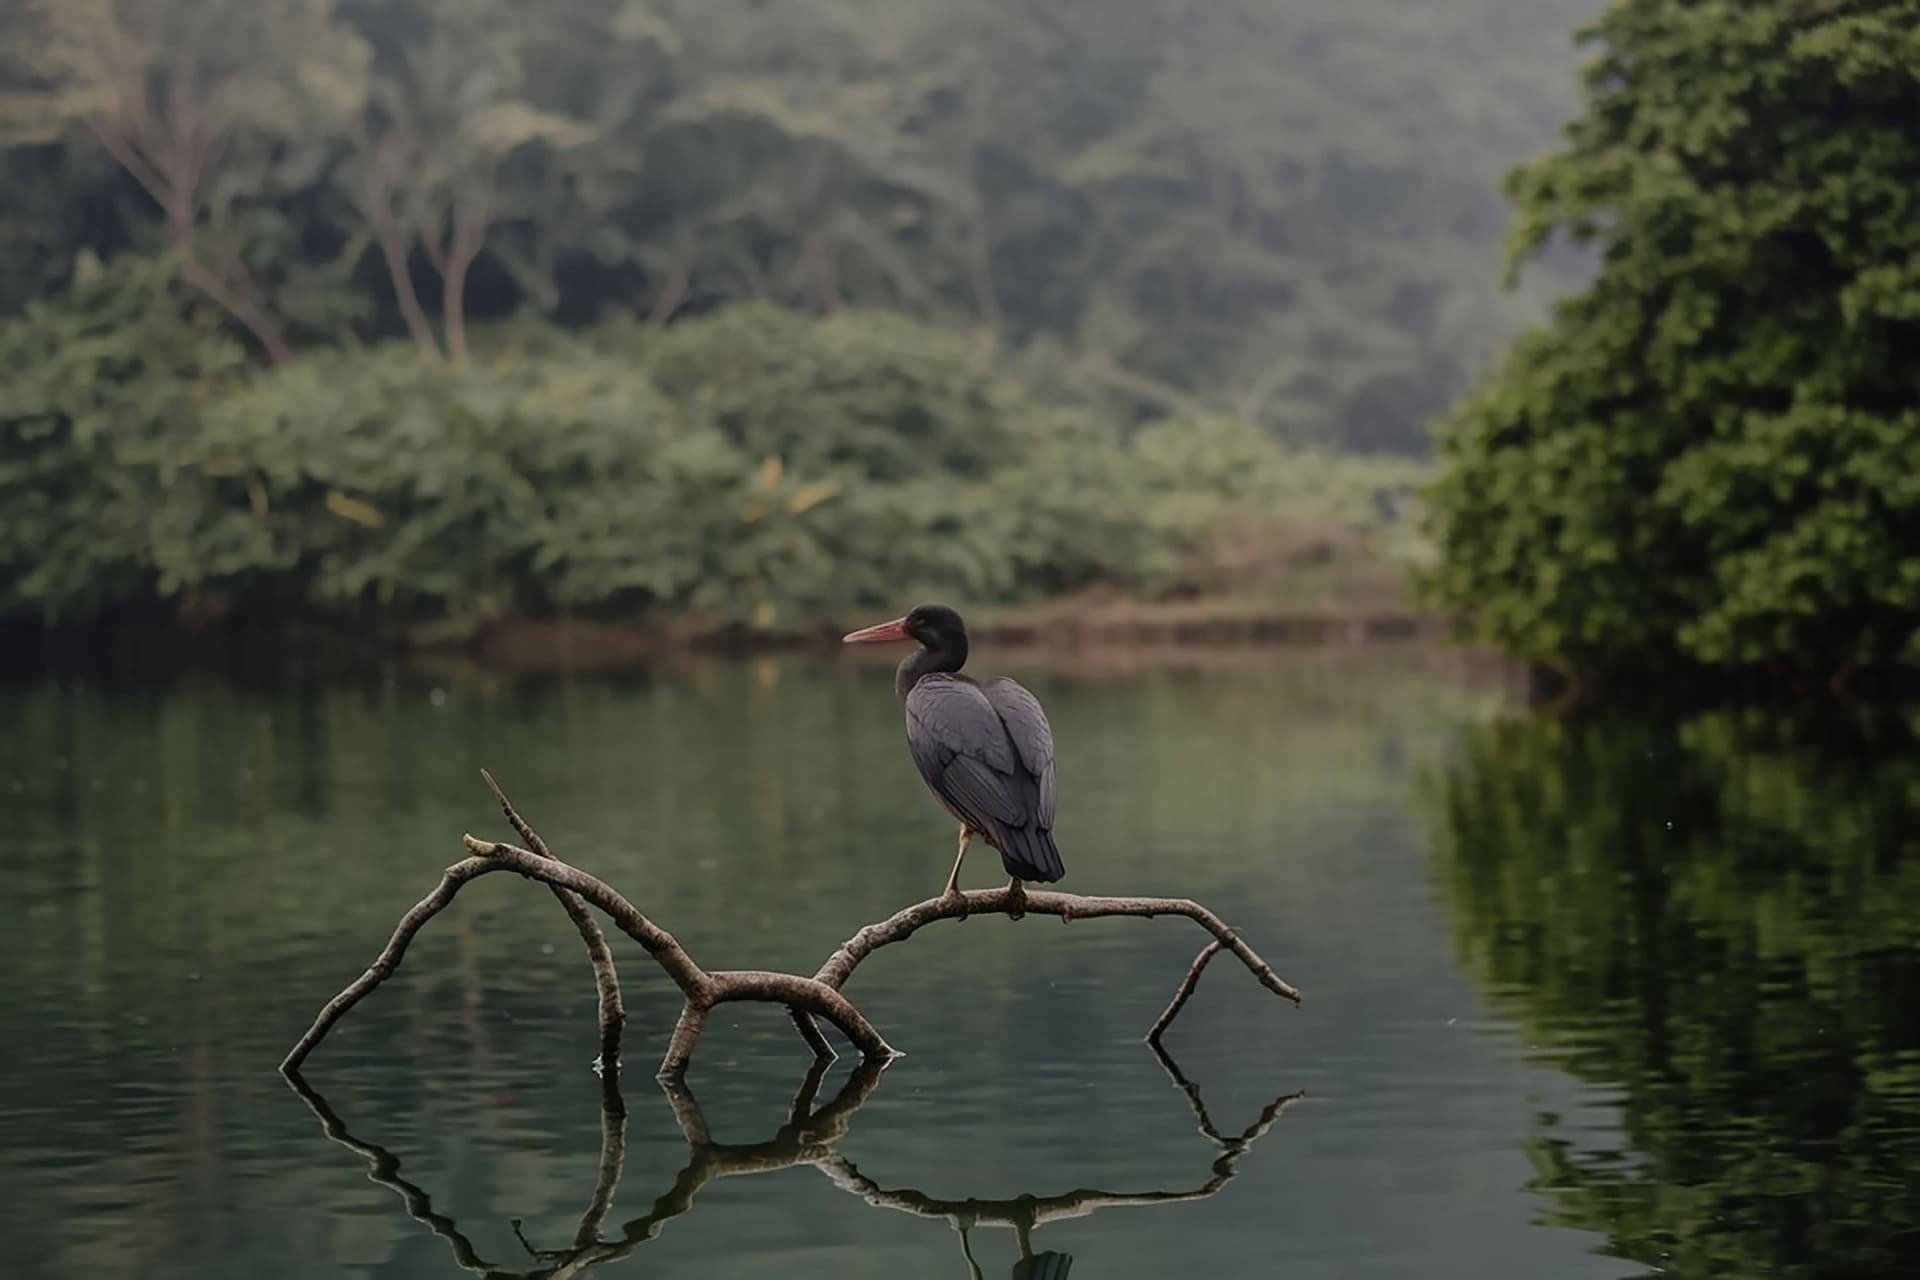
{"x":1280,"y":210}
{"x":1712,"y":456}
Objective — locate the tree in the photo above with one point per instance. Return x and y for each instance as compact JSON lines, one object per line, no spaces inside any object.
{"x":444,"y":112}
{"x":200,"y":102}
{"x":1710,"y":456}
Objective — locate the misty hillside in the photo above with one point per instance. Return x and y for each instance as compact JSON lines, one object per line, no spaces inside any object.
{"x":1281,"y":208}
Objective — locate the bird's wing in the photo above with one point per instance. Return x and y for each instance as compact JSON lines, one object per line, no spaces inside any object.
{"x":1031,"y":735}
{"x":962,"y":751}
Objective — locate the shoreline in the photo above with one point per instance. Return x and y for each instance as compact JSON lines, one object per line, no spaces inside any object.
{"x":577,"y":645}
{"x":1114,"y":634}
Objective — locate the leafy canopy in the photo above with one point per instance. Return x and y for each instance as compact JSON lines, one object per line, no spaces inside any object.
{"x":1712,"y":455}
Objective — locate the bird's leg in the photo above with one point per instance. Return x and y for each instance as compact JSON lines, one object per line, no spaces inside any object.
{"x":1016,"y":899}
{"x":966,"y":1251}
{"x":953,"y":877}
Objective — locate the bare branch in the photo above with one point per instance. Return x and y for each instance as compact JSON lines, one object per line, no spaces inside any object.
{"x":694,"y":982}
{"x":905,"y":923}
{"x":1183,"y":992}
{"x":613,"y":1013}
{"x":386,"y":962}
{"x":702,"y":989}
{"x":804,"y":998}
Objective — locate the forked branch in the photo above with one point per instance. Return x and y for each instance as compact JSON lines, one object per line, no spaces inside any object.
{"x":805,"y":998}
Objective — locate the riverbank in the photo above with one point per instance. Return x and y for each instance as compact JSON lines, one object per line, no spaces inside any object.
{"x":1146,"y":632}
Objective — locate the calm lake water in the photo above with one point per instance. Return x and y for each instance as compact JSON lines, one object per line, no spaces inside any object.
{"x":1584,"y":999}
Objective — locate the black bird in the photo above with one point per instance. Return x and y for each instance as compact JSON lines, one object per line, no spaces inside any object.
{"x":983,"y":747}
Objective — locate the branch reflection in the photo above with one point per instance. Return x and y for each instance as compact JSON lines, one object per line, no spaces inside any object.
{"x":810,"y":1137}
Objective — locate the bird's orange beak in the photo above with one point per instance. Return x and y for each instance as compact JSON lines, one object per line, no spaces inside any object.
{"x":879,"y":633}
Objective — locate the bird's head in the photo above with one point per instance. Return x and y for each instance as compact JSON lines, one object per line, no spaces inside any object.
{"x":935,"y":626}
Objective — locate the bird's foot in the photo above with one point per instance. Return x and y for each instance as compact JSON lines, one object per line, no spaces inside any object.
{"x":1016,"y":900}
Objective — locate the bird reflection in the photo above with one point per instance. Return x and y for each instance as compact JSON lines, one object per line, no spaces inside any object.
{"x":810,"y":1137}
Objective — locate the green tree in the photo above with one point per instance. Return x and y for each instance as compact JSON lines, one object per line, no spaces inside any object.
{"x":1712,"y":456}
{"x":204,"y":104}
{"x":443,"y":115}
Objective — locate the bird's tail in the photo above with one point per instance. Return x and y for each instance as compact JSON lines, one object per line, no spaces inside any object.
{"x":1030,"y":854}
{"x":1044,"y":1266}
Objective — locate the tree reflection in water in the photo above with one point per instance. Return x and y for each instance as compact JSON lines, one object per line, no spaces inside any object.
{"x":1715,"y":921}
{"x":810,"y":1137}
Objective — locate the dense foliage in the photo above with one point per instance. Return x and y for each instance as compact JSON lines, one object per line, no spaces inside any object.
{"x":1714,"y":922}
{"x":1280,"y":210}
{"x":755,"y":466}
{"x":1713,"y":455}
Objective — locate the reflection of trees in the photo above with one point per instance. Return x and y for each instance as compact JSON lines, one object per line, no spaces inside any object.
{"x":810,"y":1137}
{"x":1723,"y":918}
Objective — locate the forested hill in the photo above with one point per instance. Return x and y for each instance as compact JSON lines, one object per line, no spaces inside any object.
{"x":1284,"y":209}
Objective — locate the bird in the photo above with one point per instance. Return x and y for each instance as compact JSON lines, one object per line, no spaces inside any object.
{"x":983,"y":747}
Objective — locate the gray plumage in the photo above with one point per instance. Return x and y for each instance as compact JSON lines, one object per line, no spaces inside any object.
{"x":986,"y":750}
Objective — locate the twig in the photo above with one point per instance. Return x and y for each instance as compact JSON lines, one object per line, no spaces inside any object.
{"x":1183,"y":992}
{"x":385,"y":963}
{"x":606,"y":979}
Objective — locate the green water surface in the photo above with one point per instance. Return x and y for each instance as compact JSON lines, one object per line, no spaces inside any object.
{"x":1613,"y":996}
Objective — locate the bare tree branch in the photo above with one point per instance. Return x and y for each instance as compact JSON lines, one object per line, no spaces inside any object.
{"x":613,"y":1013}
{"x":702,"y":989}
{"x":905,"y":923}
{"x":1183,"y":992}
{"x":804,"y":998}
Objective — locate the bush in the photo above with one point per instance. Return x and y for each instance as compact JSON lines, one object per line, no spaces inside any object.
{"x":754,"y":466}
{"x":100,"y":421}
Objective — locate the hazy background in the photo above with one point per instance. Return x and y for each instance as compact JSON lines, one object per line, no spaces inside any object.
{"x":449,"y":311}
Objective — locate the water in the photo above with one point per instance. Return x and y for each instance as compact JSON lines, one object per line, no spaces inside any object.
{"x":1584,"y":1000}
